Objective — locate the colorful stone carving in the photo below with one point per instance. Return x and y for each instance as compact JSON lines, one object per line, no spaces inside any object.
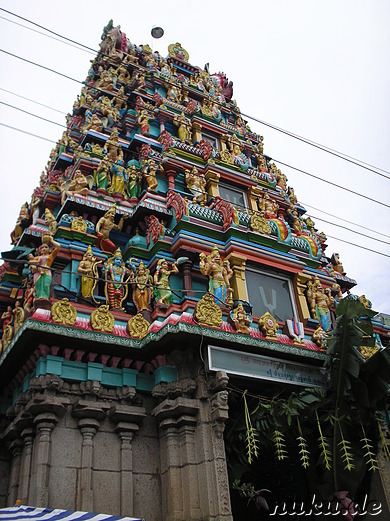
{"x":162,"y":290}
{"x":196,"y":183}
{"x":87,"y":268}
{"x":207,"y":312}
{"x":103,"y":227}
{"x":137,"y":326}
{"x":142,"y":288}
{"x":102,"y":320}
{"x":62,"y":312}
{"x":268,"y":325}
{"x":219,"y":273}
{"x":116,"y":279}
{"x":40,"y":267}
{"x":320,"y":303}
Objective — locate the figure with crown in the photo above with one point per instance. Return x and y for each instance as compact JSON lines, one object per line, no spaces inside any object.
{"x":103,"y":228}
{"x":142,"y":292}
{"x":116,"y":279}
{"x":162,"y":290}
{"x":219,"y":273}
{"x":87,"y":268}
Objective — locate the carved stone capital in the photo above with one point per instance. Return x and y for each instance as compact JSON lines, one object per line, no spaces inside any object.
{"x":128,"y":414}
{"x":172,"y":410}
{"x":88,"y":410}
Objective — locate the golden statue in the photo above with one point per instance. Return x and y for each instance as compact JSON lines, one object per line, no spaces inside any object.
{"x":63,"y":312}
{"x":242,"y":321}
{"x":112,"y":146}
{"x":184,"y":127}
{"x":149,"y":171}
{"x":51,"y":222}
{"x":102,"y":319}
{"x":78,"y":185}
{"x":137,"y":326}
{"x":87,"y":269}
{"x":196,"y":183}
{"x":207,"y":312}
{"x":142,"y":292}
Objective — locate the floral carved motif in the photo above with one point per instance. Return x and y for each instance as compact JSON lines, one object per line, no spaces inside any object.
{"x":207,"y":313}
{"x":102,"y":319}
{"x":63,"y":312}
{"x":137,"y":326}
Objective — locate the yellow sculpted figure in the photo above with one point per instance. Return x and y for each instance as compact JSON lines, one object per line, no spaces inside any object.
{"x":88,"y":271}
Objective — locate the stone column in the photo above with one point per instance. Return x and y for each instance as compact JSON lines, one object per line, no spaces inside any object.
{"x":89,"y":415}
{"x":45,"y":423}
{"x":16,"y":449}
{"x":179,"y":473}
{"x":171,"y":178}
{"x":88,"y":428}
{"x":127,"y":419}
{"x":237,"y":263}
{"x":187,"y":279}
{"x":28,"y":437}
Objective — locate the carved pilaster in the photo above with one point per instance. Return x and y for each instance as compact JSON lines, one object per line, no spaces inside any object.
{"x":179,"y":466}
{"x":212,"y":179}
{"x":25,"y":471}
{"x":44,"y":423}
{"x":127,"y":419}
{"x":253,"y":193}
{"x":89,"y":415}
{"x":187,"y":279}
{"x":300,"y":284}
{"x":237,"y":263}
{"x":16,"y":448}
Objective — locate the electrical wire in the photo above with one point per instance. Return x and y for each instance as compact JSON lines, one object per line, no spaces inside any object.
{"x":28,"y":133}
{"x":324,"y":148}
{"x":345,"y":220}
{"x":47,"y":35}
{"x":333,"y":184}
{"x":41,"y":66}
{"x":33,"y":101}
{"x":349,"y":229}
{"x":34,"y":115}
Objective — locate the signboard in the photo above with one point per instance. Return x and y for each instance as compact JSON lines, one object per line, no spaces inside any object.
{"x":264,"y":367}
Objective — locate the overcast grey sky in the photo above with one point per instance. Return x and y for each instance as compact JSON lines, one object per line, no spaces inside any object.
{"x":316,"y":68}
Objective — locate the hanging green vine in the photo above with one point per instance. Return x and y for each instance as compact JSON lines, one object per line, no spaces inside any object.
{"x":345,"y":449}
{"x":280,"y":445}
{"x":304,"y":453}
{"x":251,"y":434}
{"x":324,"y":446}
{"x":369,"y":456}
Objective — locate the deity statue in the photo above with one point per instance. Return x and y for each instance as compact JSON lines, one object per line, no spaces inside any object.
{"x":219,"y":273}
{"x":103,"y":227}
{"x":241,"y":319}
{"x":320,"y":302}
{"x":51,"y":222}
{"x":112,"y":146}
{"x":149,"y":171}
{"x":235,"y":145}
{"x":268,"y":206}
{"x":28,"y":297}
{"x":94,"y":123}
{"x":116,"y":279}
{"x":117,"y":178}
{"x":142,"y":292}
{"x":102,"y":175}
{"x":133,"y":182}
{"x":40,"y":267}
{"x":78,"y":185}
{"x":196,"y":183}
{"x":173,"y":93}
{"x":87,"y":268}
{"x":143,"y":122}
{"x":21,"y":223}
{"x":184,"y":127}
{"x":162,"y":291}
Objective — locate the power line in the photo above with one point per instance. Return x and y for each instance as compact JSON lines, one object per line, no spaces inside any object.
{"x":47,"y":35}
{"x":32,"y":101}
{"x":349,"y":229}
{"x":345,"y":220}
{"x":324,"y":148}
{"x":41,"y":66}
{"x":340,"y":155}
{"x":358,"y":246}
{"x":28,"y":133}
{"x":48,"y":30}
{"x":33,"y":115}
{"x":333,"y":184}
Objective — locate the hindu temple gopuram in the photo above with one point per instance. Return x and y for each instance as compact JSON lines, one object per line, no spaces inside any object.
{"x":166,"y":306}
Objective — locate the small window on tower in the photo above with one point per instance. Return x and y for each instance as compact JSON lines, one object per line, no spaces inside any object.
{"x":234,"y":195}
